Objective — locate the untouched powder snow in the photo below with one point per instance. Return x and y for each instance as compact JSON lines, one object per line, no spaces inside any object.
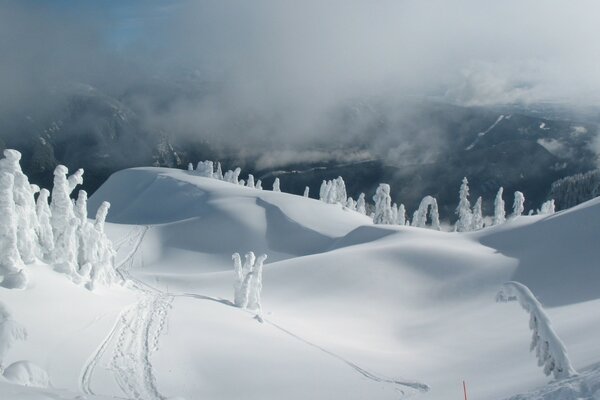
{"x":350,"y":310}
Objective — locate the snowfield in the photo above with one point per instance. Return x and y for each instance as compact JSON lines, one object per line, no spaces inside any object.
{"x":350,"y":310}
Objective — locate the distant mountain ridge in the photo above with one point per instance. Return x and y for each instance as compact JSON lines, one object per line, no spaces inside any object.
{"x":420,"y":147}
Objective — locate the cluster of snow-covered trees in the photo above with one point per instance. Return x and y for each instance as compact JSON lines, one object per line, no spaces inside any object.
{"x":210,"y":169}
{"x":549,"y":349}
{"x":58,"y":233}
{"x":248,"y":281}
{"x":384,"y":211}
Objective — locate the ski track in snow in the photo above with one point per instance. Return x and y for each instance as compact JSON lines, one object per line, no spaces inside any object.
{"x":367,"y":374}
{"x":138,"y":328}
{"x":137,"y":332}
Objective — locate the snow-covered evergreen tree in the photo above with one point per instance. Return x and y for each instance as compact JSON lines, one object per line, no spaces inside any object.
{"x":219,"y":173}
{"x":75,"y":180}
{"x":428,"y":204}
{"x":383,"y":205}
{"x":549,"y":349}
{"x":254,"y":302}
{"x":258,"y":185}
{"x":477,"y":220}
{"x":64,"y":223}
{"x":248,"y":280}
{"x":351,"y":204}
{"x":499,"y":210}
{"x":323,"y":191}
{"x":518,"y":205}
{"x":23,"y":194}
{"x":276,"y":185}
{"x":464,"y":208}
{"x":340,"y":191}
{"x":250,"y":183}
{"x":205,"y":169}
{"x":361,"y":205}
{"x":190,"y":167}
{"x":11,"y":264}
{"x":45,"y":236}
{"x":306,"y":191}
{"x":402,"y":215}
{"x":548,"y":207}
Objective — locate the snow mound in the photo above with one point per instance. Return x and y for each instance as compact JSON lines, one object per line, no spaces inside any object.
{"x":27,"y":373}
{"x":557,"y":260}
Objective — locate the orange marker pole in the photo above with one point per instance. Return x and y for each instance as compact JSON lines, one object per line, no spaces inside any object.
{"x":465,"y":389}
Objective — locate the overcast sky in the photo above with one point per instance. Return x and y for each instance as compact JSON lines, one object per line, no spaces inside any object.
{"x":298,"y":58}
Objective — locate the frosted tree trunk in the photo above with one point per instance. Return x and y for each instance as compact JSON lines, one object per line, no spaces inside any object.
{"x":549,"y":349}
{"x":518,"y":205}
{"x":101,"y":216}
{"x":464,"y":208}
{"x":499,"y":210}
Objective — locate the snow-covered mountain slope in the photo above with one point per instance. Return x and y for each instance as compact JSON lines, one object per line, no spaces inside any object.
{"x":350,"y":310}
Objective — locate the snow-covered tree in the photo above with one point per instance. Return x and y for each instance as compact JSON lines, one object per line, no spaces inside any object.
{"x":323,"y":191}
{"x":238,"y":278}
{"x":340,"y":191}
{"x":464,"y":208}
{"x":10,"y":332}
{"x":254,"y":302}
{"x":499,"y":210}
{"x":250,"y":183}
{"x":401,"y":215}
{"x":205,"y":169}
{"x":81,"y":206}
{"x":383,"y":205}
{"x":276,"y":185}
{"x":548,"y":207}
{"x":219,"y":173}
{"x":64,"y":223}
{"x":11,"y":264}
{"x":45,"y":236}
{"x":361,"y":206}
{"x":248,"y":280}
{"x":75,"y":180}
{"x":518,"y":205}
{"x":190,"y":167}
{"x":23,"y":194}
{"x":351,"y":204}
{"x":549,"y":349}
{"x":306,"y":191}
{"x":258,"y":185}
{"x":428,"y":203}
{"x":477,"y":220}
